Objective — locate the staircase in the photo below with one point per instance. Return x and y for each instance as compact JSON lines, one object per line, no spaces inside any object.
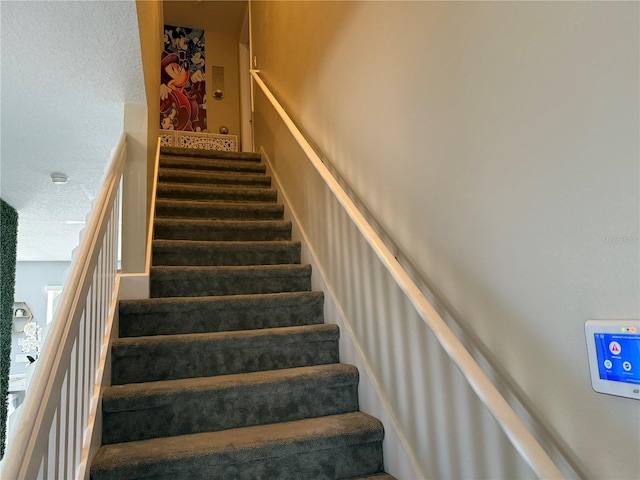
{"x":228,"y":371}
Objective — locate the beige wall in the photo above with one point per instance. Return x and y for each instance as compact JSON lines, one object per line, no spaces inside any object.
{"x":142,"y":139}
{"x":150,"y":22}
{"x":135,"y":189}
{"x":498,"y":141}
{"x":432,"y":419}
{"x":221,"y":49}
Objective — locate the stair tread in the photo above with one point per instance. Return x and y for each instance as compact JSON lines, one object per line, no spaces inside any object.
{"x":140,"y":411}
{"x":207,"y":280}
{"x":241,"y":444}
{"x":169,"y":304}
{"x":179,"y":202}
{"x":375,"y":476}
{"x":215,"y":188}
{"x":210,"y":164}
{"x":208,"y":174}
{"x":291,"y":270}
{"x":221,"y":253}
{"x":203,"y":244}
{"x":238,"y":193}
{"x":252,"y":338}
{"x":177,"y":315}
{"x":123,"y":397}
{"x":170,"y":171}
{"x":198,"y":153}
{"x":166,"y":357}
{"x":216,"y":208}
{"x":217,"y":229}
{"x":208,"y":223}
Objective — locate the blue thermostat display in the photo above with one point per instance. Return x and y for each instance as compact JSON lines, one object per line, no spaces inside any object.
{"x":613,"y":347}
{"x":618,"y":357}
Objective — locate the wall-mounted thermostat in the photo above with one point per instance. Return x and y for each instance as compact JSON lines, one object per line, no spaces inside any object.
{"x":614,"y":356}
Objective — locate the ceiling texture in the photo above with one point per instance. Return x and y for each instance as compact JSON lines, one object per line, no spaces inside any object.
{"x":67,"y":68}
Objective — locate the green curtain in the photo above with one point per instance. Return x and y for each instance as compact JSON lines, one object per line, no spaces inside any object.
{"x":8,"y":244}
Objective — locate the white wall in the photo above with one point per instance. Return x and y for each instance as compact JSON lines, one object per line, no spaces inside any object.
{"x":32,"y":279}
{"x":498,"y":142}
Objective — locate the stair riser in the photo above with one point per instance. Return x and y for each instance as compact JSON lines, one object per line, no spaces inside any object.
{"x":197,"y":154}
{"x":220,"y":212}
{"x":227,"y":256}
{"x":199,"y":318}
{"x":249,"y":180}
{"x":215,"y":166}
{"x":186,"y":193}
{"x":197,"y":284}
{"x":326,"y":464}
{"x":231,"y":234}
{"x":375,"y":476}
{"x":193,"y":412}
{"x":148,"y":363}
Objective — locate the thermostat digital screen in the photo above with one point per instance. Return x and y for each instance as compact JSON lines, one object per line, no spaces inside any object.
{"x":618,"y":357}
{"x":613,"y":348}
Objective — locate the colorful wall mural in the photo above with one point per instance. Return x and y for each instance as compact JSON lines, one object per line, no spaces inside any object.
{"x":182,"y":90}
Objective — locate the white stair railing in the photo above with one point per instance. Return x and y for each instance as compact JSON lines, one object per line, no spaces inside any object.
{"x":513,"y":427}
{"x":53,"y":436}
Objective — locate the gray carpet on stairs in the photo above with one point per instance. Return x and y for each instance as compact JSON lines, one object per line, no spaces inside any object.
{"x":224,"y":230}
{"x":201,"y":253}
{"x":218,"y":210}
{"x":167,"y":357}
{"x":213,"y":165}
{"x":207,"y":177}
{"x":213,"y":192}
{"x":178,"y":407}
{"x":332,"y":447}
{"x":175,"y":315}
{"x":228,"y":371}
{"x":181,"y":281}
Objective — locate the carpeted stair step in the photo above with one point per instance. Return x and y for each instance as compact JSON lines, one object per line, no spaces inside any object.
{"x":228,"y":370}
{"x":175,"y":281}
{"x":140,"y":411}
{"x":170,"y":316}
{"x":218,"y":210}
{"x":212,"y":165}
{"x":175,"y":175}
{"x":212,"y":192}
{"x":191,"y":153}
{"x":375,"y":476}
{"x":190,"y":252}
{"x":221,"y":230}
{"x":169,"y":357}
{"x":332,"y":447}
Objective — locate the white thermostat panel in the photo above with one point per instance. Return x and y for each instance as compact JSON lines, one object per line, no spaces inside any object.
{"x":614,"y":356}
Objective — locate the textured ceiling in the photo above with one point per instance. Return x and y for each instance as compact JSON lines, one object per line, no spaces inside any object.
{"x":67,"y":69}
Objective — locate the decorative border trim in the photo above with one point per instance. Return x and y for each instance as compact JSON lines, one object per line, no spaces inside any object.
{"x":202,"y":141}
